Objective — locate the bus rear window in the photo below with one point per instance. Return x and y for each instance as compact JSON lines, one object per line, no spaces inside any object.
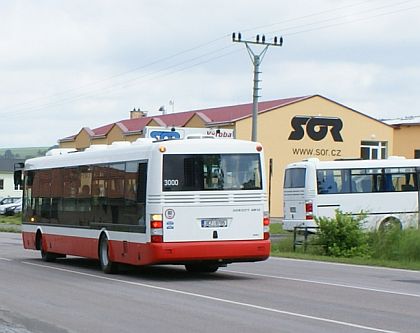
{"x":294,"y":178}
{"x":202,"y":172}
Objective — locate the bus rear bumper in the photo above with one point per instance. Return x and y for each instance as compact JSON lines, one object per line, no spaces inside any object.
{"x":290,"y":225}
{"x":220,"y":251}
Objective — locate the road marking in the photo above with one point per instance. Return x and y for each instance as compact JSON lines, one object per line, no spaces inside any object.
{"x":5,"y":259}
{"x":344,"y":264}
{"x":216,"y":299}
{"x":326,"y":283}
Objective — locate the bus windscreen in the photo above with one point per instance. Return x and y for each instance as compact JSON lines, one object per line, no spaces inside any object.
{"x":206,"y":172}
{"x":295,"y":178}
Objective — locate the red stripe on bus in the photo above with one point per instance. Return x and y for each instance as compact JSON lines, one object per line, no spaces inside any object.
{"x":155,"y":253}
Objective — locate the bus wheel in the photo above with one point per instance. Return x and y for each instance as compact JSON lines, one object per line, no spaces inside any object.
{"x":107,"y":265}
{"x":45,"y":255}
{"x":201,"y":268}
{"x":390,"y":223}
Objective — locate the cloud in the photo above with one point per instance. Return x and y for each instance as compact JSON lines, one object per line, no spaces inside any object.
{"x":71,"y":64}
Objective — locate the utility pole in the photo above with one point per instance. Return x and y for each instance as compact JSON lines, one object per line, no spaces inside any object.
{"x":256,"y":59}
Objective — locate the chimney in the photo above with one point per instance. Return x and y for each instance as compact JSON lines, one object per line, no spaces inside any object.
{"x":135,"y":114}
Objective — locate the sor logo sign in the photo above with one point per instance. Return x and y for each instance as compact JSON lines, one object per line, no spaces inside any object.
{"x":165,"y":135}
{"x":316,"y":128}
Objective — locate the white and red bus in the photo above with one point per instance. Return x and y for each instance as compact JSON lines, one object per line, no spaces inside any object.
{"x":385,"y":190}
{"x":201,"y":203}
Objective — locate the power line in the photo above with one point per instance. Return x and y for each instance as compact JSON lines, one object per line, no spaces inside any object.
{"x":336,"y":18}
{"x":171,"y":69}
{"x":155,"y":76}
{"x":157,"y":61}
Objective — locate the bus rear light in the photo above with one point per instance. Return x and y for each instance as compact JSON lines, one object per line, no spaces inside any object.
{"x":156,"y":228}
{"x":259,"y":148}
{"x":156,"y":217}
{"x":266,"y":225}
{"x":157,"y":239}
{"x":156,"y":224}
{"x":266,"y":221}
{"x":309,"y":210}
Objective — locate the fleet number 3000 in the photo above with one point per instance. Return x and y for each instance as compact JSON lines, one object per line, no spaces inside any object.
{"x":170,"y":182}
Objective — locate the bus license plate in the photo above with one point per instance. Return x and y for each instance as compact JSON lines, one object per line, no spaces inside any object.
{"x":214,"y":223}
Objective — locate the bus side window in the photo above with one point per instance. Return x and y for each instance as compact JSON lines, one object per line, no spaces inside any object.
{"x":409,"y":184}
{"x":388,"y":185}
{"x":345,"y":181}
{"x":141,"y":194}
{"x":326,"y":182}
{"x":141,"y":184}
{"x":366,"y":184}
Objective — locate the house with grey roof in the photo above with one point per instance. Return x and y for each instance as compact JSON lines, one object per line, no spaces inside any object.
{"x":7,"y":187}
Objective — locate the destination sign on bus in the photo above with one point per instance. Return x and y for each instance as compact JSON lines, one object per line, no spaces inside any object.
{"x":165,"y":133}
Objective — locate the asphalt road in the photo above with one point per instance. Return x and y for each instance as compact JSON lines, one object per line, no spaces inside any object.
{"x":278,"y":295}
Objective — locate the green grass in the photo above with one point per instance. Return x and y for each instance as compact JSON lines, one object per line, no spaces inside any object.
{"x":284,"y":248}
{"x":11,"y":220}
{"x":10,"y":223}
{"x":277,"y":228}
{"x":4,"y":228}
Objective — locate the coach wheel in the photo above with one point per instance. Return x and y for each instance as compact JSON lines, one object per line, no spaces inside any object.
{"x":390,"y":223}
{"x":45,"y":255}
{"x":201,"y":268}
{"x":107,"y":265}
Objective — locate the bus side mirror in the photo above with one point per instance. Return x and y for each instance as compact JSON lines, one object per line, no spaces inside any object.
{"x":17,"y":175}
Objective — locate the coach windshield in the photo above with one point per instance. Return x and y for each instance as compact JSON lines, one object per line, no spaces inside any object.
{"x":206,"y":172}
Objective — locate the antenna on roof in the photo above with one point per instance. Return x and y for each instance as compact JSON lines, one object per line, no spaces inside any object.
{"x":172,"y":104}
{"x":162,"y":109}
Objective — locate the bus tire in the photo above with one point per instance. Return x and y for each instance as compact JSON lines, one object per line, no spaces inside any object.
{"x":108,"y":266}
{"x":45,"y":255}
{"x":390,"y":223}
{"x":201,"y":268}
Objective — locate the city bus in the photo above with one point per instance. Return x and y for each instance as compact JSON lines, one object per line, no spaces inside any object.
{"x":386,"y":191}
{"x":198,"y":202}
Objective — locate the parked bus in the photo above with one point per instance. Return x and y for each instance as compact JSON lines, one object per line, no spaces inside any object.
{"x":201,"y":203}
{"x":386,"y":190}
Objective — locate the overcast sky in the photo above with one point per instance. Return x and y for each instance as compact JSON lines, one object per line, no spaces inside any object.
{"x":69,"y":64}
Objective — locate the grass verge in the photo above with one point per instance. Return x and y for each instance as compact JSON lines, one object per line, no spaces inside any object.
{"x":11,"y":220}
{"x":284,"y":248}
{"x":8,"y":228}
{"x":10,"y":223}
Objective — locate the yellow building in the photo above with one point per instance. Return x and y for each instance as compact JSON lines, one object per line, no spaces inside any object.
{"x":406,"y":136}
{"x":290,"y":130}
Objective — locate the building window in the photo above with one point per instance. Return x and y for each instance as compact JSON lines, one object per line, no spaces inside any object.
{"x":417,"y":153}
{"x":1,"y":184}
{"x":373,"y":150}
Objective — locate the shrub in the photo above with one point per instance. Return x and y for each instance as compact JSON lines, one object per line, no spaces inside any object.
{"x":385,"y":243}
{"x":410,"y":245}
{"x":342,"y":236}
{"x":396,"y":244}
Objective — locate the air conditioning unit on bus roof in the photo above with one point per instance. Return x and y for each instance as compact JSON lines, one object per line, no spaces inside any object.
{"x":199,"y":136}
{"x":144,"y":141}
{"x":117,"y":144}
{"x":396,"y":157}
{"x":311,"y":159}
{"x":60,"y":151}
